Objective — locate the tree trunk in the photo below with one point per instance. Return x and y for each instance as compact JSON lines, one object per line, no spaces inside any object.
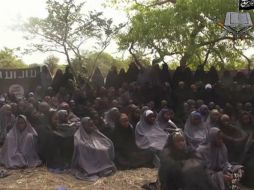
{"x":184,"y":59}
{"x":69,"y":62}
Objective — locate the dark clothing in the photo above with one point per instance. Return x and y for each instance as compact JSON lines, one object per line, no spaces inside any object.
{"x":46,"y":144}
{"x":234,"y":139}
{"x":63,"y":135}
{"x":127,"y":154}
{"x":180,"y":170}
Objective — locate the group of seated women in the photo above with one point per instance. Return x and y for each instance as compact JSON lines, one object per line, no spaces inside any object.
{"x":195,"y":157}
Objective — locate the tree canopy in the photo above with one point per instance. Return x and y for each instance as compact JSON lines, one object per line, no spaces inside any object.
{"x":187,"y":30}
{"x":67,"y":29}
{"x":8,"y":59}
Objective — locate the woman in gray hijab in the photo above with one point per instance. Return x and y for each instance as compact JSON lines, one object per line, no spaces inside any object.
{"x":148,"y":134}
{"x":213,"y":119}
{"x":195,"y":130}
{"x":93,"y":153}
{"x":215,"y":158}
{"x":19,"y":149}
{"x":164,"y":119}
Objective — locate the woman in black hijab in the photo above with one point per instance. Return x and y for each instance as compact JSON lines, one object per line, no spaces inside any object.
{"x":179,"y":169}
{"x":127,"y":154}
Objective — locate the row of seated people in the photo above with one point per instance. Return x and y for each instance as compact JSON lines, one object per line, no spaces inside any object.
{"x":62,"y":141}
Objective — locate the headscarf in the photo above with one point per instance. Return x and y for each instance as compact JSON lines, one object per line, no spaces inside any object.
{"x":203,"y":110}
{"x":214,"y":157}
{"x":93,"y":153}
{"x":19,"y":149}
{"x":109,"y":119}
{"x":209,"y":123}
{"x":195,"y":135}
{"x":149,"y":136}
{"x":160,"y":119}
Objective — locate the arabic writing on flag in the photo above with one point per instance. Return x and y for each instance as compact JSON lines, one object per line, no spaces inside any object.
{"x":246,"y":4}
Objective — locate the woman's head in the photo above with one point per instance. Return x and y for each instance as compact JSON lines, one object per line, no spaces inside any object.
{"x":204,"y":110}
{"x":195,"y":118}
{"x":215,"y":137}
{"x":88,"y":124}
{"x":124,"y":120}
{"x":225,"y":120}
{"x":7,"y":109}
{"x":62,"y":116}
{"x":21,"y":122}
{"x":245,"y":118}
{"x":177,"y":140}
{"x":165,"y":115}
{"x":149,"y":117}
{"x":215,"y":116}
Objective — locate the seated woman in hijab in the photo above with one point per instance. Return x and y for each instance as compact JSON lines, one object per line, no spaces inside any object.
{"x":19,"y":149}
{"x":179,"y":167}
{"x":111,"y":116}
{"x":214,"y":156}
{"x":128,"y":155}
{"x":133,"y":114}
{"x":213,"y":119}
{"x":148,"y":134}
{"x":46,"y":140}
{"x":204,"y":111}
{"x":164,"y":120}
{"x":7,"y":120}
{"x":246,"y":123}
{"x":63,"y":137}
{"x":195,"y":130}
{"x":234,"y":138}
{"x":93,"y":153}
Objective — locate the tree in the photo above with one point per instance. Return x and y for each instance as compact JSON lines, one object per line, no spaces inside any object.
{"x":8,"y":59}
{"x":104,"y":62}
{"x":186,"y":29}
{"x":52,"y":63}
{"x":67,"y":30}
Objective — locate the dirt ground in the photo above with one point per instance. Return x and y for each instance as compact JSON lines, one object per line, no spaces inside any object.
{"x":41,"y":179}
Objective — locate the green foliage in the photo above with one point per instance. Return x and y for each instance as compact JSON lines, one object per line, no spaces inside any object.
{"x":52,"y":63}
{"x":188,"y":30}
{"x":8,"y":59}
{"x":103,"y":61}
{"x":67,"y":29}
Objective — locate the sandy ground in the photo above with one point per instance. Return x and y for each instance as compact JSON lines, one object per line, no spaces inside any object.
{"x":41,"y":179}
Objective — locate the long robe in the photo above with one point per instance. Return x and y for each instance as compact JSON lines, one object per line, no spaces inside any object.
{"x":215,"y":159}
{"x":127,"y":154}
{"x":20,"y":148}
{"x":234,"y":139}
{"x":63,"y":136}
{"x":195,"y":135}
{"x":93,"y":155}
{"x":150,"y":136}
{"x":180,"y":169}
{"x":162,"y":123}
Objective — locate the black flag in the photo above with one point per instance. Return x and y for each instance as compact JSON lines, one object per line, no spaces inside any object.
{"x":246,"y":4}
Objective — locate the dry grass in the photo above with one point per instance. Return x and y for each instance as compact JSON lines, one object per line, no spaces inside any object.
{"x":41,"y":179}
